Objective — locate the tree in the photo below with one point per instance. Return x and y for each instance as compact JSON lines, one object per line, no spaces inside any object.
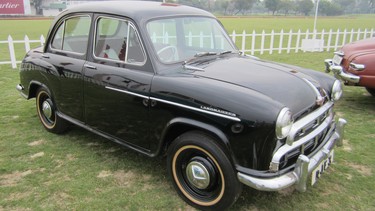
{"x":38,"y":6}
{"x":242,"y":6}
{"x":286,"y":6}
{"x":305,"y":6}
{"x":330,"y":9}
{"x":272,"y":5}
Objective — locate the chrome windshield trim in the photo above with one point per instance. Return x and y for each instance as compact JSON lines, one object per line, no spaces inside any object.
{"x":197,"y":109}
{"x":127,"y":92}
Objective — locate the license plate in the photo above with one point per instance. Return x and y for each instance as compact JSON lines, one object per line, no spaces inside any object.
{"x":337,"y":59}
{"x":317,"y":172}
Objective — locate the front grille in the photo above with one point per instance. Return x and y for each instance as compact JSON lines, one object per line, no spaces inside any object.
{"x":306,"y":135}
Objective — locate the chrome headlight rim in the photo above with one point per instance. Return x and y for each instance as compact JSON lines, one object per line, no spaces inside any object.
{"x":284,"y":123}
{"x":336,"y":91}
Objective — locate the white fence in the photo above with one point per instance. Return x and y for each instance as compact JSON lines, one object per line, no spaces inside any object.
{"x":11,"y":48}
{"x":254,"y":43}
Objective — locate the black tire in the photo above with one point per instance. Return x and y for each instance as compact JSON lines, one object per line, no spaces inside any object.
{"x":371,"y":91}
{"x":199,"y":151}
{"x":47,"y":112}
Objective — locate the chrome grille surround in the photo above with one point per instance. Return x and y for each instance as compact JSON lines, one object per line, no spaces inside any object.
{"x":305,"y":132}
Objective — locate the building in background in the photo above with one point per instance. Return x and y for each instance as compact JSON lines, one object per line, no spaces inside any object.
{"x":15,"y":7}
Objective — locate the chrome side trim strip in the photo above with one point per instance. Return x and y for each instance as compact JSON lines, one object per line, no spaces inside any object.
{"x":175,"y":104}
{"x":197,"y":109}
{"x":127,"y":92}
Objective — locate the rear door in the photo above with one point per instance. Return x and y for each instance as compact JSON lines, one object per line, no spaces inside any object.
{"x":63,"y":62}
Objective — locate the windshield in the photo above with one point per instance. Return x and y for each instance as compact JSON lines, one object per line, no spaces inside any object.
{"x":180,"y":39}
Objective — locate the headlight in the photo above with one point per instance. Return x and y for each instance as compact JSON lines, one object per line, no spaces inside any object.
{"x":284,"y":123}
{"x":336,"y":92}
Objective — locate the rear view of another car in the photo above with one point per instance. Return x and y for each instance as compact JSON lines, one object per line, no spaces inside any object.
{"x":354,"y":64}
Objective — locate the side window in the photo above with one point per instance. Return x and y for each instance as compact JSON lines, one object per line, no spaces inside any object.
{"x":117,"y":40}
{"x":72,"y":35}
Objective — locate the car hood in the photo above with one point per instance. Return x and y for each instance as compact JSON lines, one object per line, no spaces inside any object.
{"x":282,"y":83}
{"x":359,"y":47}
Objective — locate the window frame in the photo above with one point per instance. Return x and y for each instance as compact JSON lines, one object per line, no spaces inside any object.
{"x":130,"y":24}
{"x":59,"y":24}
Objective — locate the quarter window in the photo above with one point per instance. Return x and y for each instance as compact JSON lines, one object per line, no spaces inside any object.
{"x":118,"y":40}
{"x":72,"y":35}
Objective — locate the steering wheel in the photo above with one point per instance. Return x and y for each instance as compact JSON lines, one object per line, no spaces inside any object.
{"x":166,"y":56}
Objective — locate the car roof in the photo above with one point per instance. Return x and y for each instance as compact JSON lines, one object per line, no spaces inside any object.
{"x":137,"y":10}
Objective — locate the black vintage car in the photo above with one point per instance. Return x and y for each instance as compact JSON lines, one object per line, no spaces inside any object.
{"x":165,"y":79}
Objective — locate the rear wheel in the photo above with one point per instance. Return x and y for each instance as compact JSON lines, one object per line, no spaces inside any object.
{"x":371,"y":91}
{"x":201,"y":172}
{"x":47,"y":112}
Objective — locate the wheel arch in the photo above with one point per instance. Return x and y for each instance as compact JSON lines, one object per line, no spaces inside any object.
{"x":33,"y":88}
{"x":180,"y":125}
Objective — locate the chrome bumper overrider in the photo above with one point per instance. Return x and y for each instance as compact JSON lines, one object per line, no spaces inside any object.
{"x":339,"y":72}
{"x":302,"y":170}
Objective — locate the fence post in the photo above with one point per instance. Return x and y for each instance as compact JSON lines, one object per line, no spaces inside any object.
{"x":344,"y":38}
{"x":358,"y":34}
{"x":262,"y":43}
{"x":289,"y":41}
{"x":11,"y":52}
{"x":243,"y":41}
{"x":307,"y":36}
{"x":253,"y":43}
{"x":337,"y":39}
{"x":272,"y":39}
{"x":42,"y":40}
{"x":190,"y":38}
{"x":329,"y":40}
{"x":298,"y":40}
{"x":27,"y":43}
{"x":351,"y":35}
{"x":281,"y":40}
{"x":201,"y":39}
{"x":322,"y":37}
{"x":234,"y":37}
{"x":166,"y":38}
{"x":365,"y":34}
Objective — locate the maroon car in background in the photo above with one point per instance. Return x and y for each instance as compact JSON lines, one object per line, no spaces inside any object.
{"x":355,"y":64}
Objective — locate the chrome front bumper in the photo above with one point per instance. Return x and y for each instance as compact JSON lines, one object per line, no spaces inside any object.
{"x":302,"y":170}
{"x":339,"y":72}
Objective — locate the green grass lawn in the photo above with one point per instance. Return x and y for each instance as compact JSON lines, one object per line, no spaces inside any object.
{"x":81,"y":171}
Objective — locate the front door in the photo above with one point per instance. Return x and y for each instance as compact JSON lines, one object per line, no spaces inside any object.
{"x":117,"y":83}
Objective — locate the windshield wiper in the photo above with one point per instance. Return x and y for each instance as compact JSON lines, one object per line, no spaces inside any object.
{"x":202,"y":54}
{"x":225,"y":52}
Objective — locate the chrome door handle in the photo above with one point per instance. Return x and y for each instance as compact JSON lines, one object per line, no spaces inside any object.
{"x":89,"y":66}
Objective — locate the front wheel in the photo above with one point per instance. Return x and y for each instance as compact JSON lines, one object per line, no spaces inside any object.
{"x":202,"y":173}
{"x":371,"y":91}
{"x":47,"y":112}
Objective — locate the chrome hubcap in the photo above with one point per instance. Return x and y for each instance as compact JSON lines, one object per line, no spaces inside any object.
{"x":198,"y":175}
{"x":47,"y":109}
